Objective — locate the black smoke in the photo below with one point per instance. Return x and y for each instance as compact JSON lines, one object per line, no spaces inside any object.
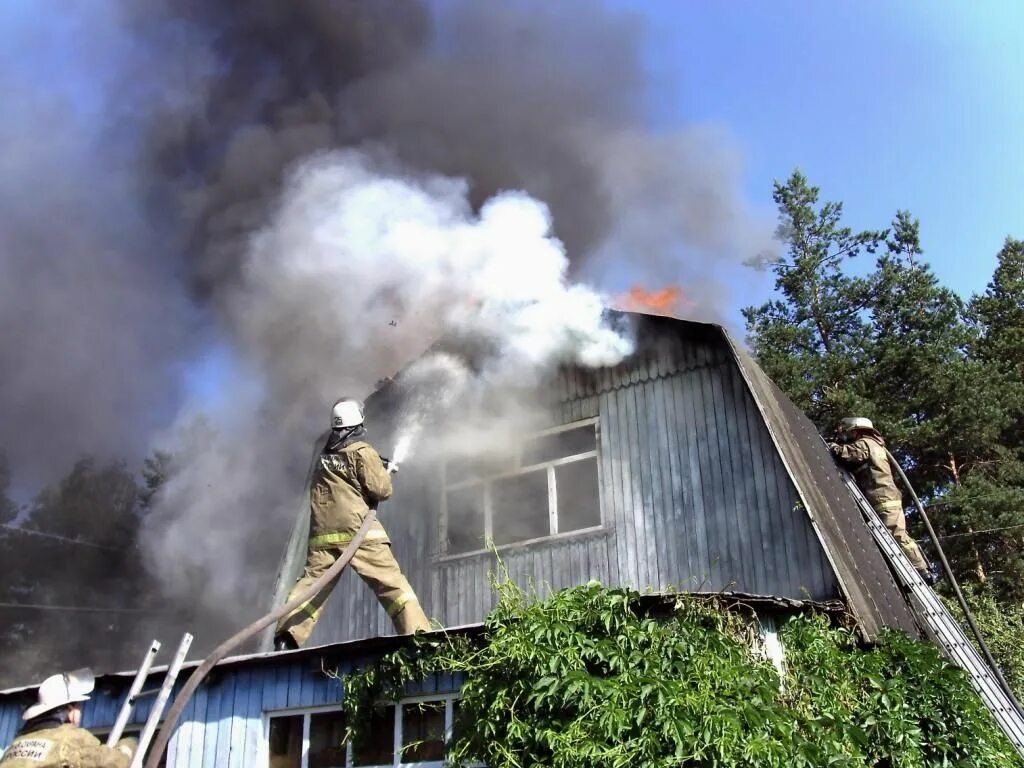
{"x":133,"y":177}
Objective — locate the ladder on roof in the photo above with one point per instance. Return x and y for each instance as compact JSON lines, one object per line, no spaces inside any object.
{"x":944,"y":630}
{"x":162,"y":694}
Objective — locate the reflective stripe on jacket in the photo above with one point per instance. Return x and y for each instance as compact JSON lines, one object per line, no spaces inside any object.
{"x":866,"y":457}
{"x":346,"y":485}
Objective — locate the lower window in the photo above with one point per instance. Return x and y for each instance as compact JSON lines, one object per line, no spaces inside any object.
{"x":413,"y":732}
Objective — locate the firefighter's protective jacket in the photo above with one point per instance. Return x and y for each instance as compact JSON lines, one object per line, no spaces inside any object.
{"x":866,"y":457}
{"x":65,"y":746}
{"x":347,"y":483}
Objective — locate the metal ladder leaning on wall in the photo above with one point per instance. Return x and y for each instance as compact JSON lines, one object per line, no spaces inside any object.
{"x":163,"y":693}
{"x":944,"y":630}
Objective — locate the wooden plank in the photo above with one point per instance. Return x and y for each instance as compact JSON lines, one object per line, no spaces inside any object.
{"x":701,"y":476}
{"x":628,"y":573}
{"x":195,"y":740}
{"x":771,"y":555}
{"x":294,"y":694}
{"x":736,"y":476}
{"x":651,"y":504}
{"x":10,"y":722}
{"x":671,"y":528}
{"x":211,"y":723}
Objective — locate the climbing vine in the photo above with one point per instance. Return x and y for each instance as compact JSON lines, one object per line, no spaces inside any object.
{"x":590,"y":677}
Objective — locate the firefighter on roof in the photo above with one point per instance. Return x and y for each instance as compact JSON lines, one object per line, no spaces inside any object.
{"x":350,"y":478}
{"x":862,"y":450}
{"x":53,"y":737}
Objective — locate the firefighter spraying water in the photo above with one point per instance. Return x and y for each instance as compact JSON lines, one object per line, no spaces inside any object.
{"x":350,"y":479}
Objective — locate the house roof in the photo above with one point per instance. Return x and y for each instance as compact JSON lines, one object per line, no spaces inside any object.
{"x":763,"y":604}
{"x":863,"y":573}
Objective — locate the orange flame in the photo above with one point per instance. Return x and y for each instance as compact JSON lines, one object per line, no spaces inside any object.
{"x":664,"y":301}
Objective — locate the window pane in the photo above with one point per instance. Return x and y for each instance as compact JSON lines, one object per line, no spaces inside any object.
{"x":465,"y":523}
{"x":286,"y":742}
{"x":520,"y":507}
{"x":458,"y":726}
{"x":423,"y":731}
{"x":377,"y":746}
{"x":559,"y":445}
{"x":327,"y":740}
{"x":577,"y":489}
{"x":477,"y":467}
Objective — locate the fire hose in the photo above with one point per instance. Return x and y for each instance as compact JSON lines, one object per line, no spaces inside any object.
{"x":222,"y":650}
{"x":957,"y":593}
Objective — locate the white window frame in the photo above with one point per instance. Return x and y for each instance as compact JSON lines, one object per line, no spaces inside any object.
{"x":449,"y":700}
{"x":549,"y":466}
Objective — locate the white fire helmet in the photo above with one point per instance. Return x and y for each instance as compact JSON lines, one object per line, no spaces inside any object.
{"x":851,"y":423}
{"x":60,"y":690}
{"x":347,"y":412}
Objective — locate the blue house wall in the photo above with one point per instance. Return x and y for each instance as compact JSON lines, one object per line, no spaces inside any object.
{"x":225,"y":724}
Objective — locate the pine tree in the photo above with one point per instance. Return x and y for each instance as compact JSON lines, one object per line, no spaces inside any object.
{"x":941,"y":380}
{"x":8,"y":509}
{"x":811,"y":339}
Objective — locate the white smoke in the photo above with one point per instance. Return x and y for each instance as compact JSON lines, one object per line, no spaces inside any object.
{"x":359,"y":270}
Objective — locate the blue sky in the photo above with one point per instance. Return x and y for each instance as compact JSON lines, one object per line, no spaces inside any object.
{"x":916,"y":105}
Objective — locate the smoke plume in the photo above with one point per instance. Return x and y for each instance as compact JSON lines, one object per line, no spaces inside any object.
{"x":372,"y":264}
{"x":325,"y":187}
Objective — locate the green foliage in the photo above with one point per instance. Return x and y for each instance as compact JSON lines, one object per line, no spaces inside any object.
{"x":1002,"y":625}
{"x":1000,"y":311}
{"x":899,"y":703}
{"x":8,"y":509}
{"x":809,"y":339}
{"x":588,"y":677}
{"x":156,"y":470}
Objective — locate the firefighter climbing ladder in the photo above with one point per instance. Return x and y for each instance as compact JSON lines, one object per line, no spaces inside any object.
{"x":162,"y":693}
{"x":943,"y":628}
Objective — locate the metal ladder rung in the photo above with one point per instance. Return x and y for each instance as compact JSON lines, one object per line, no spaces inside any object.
{"x":941,"y":625}
{"x":162,"y":694}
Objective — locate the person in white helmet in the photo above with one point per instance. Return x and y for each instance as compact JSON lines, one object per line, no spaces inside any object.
{"x":861,"y":449}
{"x":53,"y":737}
{"x":350,"y":478}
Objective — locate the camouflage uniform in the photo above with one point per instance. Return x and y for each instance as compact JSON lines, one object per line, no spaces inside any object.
{"x":866,"y":457}
{"x":349,"y":480}
{"x":65,"y":746}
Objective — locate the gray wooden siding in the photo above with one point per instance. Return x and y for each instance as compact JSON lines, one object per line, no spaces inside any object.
{"x":693,"y":493}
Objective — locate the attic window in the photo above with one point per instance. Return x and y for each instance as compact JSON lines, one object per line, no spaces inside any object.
{"x":547,"y":485}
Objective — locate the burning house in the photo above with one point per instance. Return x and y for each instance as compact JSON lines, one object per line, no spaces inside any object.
{"x":684,"y":468}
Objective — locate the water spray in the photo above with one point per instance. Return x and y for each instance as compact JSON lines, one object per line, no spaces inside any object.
{"x":430,"y":387}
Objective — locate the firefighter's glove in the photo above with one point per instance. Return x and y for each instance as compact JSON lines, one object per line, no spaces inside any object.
{"x":127,"y":746}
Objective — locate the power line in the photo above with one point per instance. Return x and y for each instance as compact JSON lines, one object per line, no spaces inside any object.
{"x":978,"y":533}
{"x":77,"y":608}
{"x":56,"y":537}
